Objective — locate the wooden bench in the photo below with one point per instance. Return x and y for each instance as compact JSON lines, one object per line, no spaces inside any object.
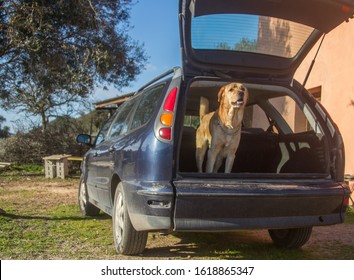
{"x":56,"y":166}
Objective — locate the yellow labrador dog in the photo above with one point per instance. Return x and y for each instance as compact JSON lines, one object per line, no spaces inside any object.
{"x":220,"y":131}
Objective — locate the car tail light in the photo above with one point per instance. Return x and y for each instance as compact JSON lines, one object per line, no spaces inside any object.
{"x":170,"y":100}
{"x":346,"y":202}
{"x":165,"y":133}
{"x":167,"y":119}
{"x":167,"y":115}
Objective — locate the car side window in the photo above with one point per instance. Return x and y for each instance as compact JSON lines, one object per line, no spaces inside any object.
{"x":146,"y":106}
{"x":104,"y":130}
{"x":121,"y":122}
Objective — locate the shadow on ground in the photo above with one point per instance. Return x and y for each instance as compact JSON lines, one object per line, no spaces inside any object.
{"x":254,"y":245}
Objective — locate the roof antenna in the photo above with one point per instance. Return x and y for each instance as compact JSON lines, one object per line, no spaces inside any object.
{"x":313,"y":62}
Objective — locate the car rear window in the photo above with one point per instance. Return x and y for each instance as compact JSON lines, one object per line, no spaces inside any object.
{"x":146,"y":107}
{"x":120,"y":124}
{"x":249,"y":33}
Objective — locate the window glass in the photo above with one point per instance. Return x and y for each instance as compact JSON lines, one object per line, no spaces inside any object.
{"x":255,"y":117}
{"x":291,"y":113}
{"x":191,"y":121}
{"x":103,"y":132}
{"x":249,"y":33}
{"x":146,"y":107}
{"x":121,"y":122}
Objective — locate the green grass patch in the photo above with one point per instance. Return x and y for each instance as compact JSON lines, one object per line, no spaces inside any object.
{"x":40,"y":219}
{"x":24,"y":169}
{"x":62,"y":233}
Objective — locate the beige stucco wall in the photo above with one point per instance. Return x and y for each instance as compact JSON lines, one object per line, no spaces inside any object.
{"x":334,"y":72}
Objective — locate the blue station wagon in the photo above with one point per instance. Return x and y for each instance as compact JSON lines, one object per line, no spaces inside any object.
{"x":288,"y":173}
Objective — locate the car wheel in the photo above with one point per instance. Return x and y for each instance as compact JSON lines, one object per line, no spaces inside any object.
{"x":290,"y":238}
{"x":86,"y":207}
{"x":127,"y":240}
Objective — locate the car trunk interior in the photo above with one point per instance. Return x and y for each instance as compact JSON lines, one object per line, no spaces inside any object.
{"x":279,"y":134}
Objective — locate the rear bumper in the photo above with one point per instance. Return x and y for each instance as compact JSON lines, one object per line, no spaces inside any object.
{"x":150,"y":205}
{"x":223,"y":206}
{"x":231,"y":224}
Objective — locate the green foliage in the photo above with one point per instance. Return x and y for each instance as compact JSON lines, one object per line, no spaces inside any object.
{"x":53,"y":53}
{"x":192,"y":121}
{"x":59,"y":138}
{"x":349,"y":219}
{"x":245,"y":45}
{"x":30,"y":147}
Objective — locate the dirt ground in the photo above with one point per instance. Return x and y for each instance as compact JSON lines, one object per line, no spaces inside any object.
{"x":321,"y":241}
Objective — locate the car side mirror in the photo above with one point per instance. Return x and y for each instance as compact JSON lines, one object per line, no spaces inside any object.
{"x":84,"y":139}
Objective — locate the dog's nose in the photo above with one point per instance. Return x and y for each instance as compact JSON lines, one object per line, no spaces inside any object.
{"x":241,"y":94}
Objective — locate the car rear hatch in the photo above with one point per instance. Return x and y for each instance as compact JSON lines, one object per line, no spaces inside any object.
{"x":262,"y":41}
{"x":247,"y":38}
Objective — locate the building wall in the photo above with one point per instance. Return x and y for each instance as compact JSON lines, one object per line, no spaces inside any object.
{"x":334,"y":74}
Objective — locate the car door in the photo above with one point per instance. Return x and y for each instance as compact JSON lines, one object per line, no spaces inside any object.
{"x":91,"y":161}
{"x":106,"y":150}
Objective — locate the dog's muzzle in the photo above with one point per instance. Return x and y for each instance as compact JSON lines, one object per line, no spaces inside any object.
{"x":240,"y":100}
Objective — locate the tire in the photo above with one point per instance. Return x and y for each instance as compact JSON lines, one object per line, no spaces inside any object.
{"x":86,"y":207}
{"x":127,"y":240}
{"x":290,"y":238}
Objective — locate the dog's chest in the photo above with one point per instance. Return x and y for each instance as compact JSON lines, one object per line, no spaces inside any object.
{"x":223,"y":139}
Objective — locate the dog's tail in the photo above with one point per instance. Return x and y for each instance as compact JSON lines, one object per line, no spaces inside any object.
{"x":204,"y":107}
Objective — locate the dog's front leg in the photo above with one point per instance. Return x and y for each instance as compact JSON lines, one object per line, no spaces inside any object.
{"x":200,"y":154}
{"x":229,"y":162}
{"x":213,"y":155}
{"x":211,"y":161}
{"x":218,"y":163}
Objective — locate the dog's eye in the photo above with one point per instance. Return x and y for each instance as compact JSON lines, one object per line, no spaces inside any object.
{"x":243,"y":89}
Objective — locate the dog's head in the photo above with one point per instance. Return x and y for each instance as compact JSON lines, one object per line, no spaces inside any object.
{"x":233,"y":95}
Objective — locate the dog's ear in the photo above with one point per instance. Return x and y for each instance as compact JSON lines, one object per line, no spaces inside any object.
{"x":221,"y":93}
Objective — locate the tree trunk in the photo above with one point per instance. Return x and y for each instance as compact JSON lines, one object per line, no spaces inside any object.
{"x":45,"y":121}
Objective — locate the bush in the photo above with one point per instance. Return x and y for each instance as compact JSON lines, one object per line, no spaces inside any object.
{"x":30,"y":147}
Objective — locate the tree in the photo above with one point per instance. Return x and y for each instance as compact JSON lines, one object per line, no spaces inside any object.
{"x":244,"y":45}
{"x":53,"y":53}
{"x":4,"y":131}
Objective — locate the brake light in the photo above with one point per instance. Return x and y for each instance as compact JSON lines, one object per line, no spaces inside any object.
{"x":170,"y":100}
{"x":167,"y":116}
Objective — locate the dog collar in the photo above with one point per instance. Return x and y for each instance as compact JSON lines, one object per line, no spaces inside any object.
{"x":227,"y":131}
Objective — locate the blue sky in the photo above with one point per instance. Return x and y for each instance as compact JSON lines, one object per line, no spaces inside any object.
{"x":155,"y":24}
{"x":211,"y":30}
